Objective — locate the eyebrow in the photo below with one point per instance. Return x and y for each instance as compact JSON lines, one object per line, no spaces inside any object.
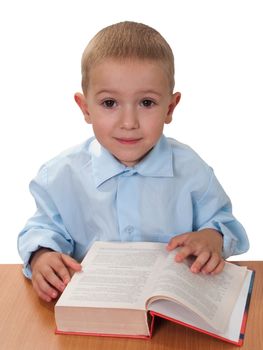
{"x":151,"y":92}
{"x":106,"y":92}
{"x":145,"y":92}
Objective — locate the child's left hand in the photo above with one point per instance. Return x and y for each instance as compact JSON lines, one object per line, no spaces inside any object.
{"x":205,"y":245}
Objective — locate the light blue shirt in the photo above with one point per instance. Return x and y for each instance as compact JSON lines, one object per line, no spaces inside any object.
{"x":85,"y":194}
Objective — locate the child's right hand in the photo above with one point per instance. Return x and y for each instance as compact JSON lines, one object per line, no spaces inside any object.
{"x":51,"y":272}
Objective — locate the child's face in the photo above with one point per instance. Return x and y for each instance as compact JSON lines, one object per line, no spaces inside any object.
{"x":128,"y":104}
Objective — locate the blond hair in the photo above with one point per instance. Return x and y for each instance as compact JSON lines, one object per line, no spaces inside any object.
{"x":127,"y":40}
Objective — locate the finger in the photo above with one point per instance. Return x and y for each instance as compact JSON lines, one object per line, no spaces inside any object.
{"x":71,"y":272}
{"x":39,"y":292}
{"x":71,"y":263}
{"x":43,"y":288}
{"x":64,"y":270}
{"x":42,"y":295}
{"x":212,"y":263}
{"x":200,"y":262}
{"x":184,"y":253}
{"x":62,"y":273}
{"x":176,"y":241}
{"x":52,"y":276}
{"x":219,"y":268}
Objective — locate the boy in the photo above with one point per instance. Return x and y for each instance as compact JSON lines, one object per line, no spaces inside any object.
{"x":129,"y":182}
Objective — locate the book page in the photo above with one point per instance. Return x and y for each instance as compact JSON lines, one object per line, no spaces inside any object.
{"x":115,"y":275}
{"x":211,"y":297}
{"x":179,"y":313}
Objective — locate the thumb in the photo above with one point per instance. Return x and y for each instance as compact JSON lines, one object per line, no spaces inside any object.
{"x":70,"y":262}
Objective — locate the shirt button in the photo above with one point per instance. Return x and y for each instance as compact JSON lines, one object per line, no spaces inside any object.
{"x":129,"y":229}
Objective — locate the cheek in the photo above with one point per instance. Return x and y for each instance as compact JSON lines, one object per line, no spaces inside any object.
{"x":154,"y":126}
{"x":102,"y":127}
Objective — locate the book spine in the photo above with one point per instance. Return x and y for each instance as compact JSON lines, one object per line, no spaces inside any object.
{"x":244,"y":321}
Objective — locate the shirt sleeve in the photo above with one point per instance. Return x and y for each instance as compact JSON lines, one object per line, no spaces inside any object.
{"x":214,"y":210}
{"x":45,"y":229}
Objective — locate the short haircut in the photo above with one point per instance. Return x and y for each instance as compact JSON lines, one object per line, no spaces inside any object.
{"x":127,"y":40}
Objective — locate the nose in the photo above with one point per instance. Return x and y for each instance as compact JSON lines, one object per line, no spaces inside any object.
{"x":129,"y":118}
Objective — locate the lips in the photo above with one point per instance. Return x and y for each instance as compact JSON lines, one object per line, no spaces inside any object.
{"x":127,"y":141}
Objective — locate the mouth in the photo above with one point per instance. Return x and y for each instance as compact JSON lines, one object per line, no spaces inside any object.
{"x":127,"y":141}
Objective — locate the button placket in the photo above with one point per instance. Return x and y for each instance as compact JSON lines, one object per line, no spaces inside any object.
{"x":127,"y":205}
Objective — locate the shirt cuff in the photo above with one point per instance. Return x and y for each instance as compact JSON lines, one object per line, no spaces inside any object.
{"x":229,"y":240}
{"x":37,"y":242}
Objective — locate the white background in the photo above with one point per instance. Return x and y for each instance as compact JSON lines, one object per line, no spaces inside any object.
{"x":218,"y":54}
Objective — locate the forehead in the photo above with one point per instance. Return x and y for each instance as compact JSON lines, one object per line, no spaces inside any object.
{"x":128,"y":74}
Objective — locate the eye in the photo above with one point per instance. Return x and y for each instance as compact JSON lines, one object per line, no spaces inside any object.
{"x":147,"y":103}
{"x":109,"y":103}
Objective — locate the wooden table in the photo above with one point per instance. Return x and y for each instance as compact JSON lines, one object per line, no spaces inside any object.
{"x":28,"y":323}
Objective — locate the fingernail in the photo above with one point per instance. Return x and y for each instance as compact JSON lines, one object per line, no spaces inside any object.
{"x":66,"y":280}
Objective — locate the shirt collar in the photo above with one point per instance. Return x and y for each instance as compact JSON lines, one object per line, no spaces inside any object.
{"x":104,"y":164}
{"x":157,"y":163}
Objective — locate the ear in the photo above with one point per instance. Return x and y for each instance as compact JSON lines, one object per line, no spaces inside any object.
{"x":82,"y":103}
{"x":173,"y":103}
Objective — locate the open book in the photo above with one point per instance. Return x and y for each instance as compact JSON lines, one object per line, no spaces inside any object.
{"x":123,"y":286}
